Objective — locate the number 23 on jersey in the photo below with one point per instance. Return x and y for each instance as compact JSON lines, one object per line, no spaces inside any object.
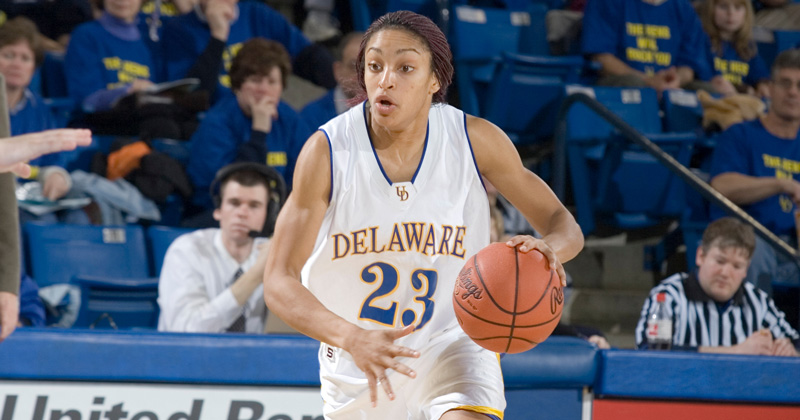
{"x":386,"y":278}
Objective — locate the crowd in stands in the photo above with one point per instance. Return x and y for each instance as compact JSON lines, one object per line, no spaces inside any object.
{"x":231,"y":62}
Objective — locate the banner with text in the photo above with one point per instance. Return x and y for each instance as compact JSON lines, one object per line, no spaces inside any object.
{"x":27,"y":400}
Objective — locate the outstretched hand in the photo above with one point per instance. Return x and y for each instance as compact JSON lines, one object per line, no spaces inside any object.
{"x":16,"y":151}
{"x":525,"y":243}
{"x":374,"y":352}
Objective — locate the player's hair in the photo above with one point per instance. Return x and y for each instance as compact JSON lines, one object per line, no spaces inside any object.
{"x":258,"y":57}
{"x":789,"y":59}
{"x":729,"y":232}
{"x":742,"y":40}
{"x":426,"y":32}
{"x":23,"y":29}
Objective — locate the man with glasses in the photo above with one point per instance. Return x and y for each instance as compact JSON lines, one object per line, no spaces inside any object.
{"x":756,"y":164}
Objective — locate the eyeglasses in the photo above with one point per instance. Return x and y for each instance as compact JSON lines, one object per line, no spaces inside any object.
{"x":787,"y":84}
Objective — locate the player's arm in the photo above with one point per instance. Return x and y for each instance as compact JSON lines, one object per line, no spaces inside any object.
{"x":500,"y":163}
{"x":296,"y":231}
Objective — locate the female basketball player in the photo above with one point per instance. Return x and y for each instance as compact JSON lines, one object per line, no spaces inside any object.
{"x":387,"y":205}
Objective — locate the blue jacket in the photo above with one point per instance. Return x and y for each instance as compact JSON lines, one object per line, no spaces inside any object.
{"x":185,"y":37}
{"x":319,"y":111}
{"x":225,"y":129}
{"x":98,"y":61}
{"x":32,"y":115}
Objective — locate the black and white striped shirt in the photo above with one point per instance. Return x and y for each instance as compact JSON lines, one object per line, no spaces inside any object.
{"x":697,"y":320}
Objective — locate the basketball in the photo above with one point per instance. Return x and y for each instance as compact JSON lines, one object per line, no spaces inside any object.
{"x":508,"y":301}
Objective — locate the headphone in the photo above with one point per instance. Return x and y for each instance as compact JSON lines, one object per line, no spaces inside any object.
{"x":277,"y":191}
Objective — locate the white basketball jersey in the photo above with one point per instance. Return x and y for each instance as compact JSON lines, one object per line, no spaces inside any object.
{"x":388,"y":254}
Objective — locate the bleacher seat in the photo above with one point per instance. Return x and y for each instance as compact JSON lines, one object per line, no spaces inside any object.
{"x":782,"y":41}
{"x":525,"y":93}
{"x":611,"y":177}
{"x":682,"y":111}
{"x":56,"y":252}
{"x":479,"y":36}
{"x":159,"y":239}
{"x":117,"y":303}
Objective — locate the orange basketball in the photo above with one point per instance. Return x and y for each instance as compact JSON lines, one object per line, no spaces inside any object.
{"x":508,"y":301}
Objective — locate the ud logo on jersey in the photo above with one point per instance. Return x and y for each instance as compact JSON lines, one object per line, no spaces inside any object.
{"x":402,"y":193}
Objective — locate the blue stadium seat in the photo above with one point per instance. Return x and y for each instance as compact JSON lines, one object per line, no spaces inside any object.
{"x":612,"y":178}
{"x":159,"y":239}
{"x":117,"y":303}
{"x":57,"y":253}
{"x":782,"y":41}
{"x":682,"y":111}
{"x":479,"y":36}
{"x":525,"y":93}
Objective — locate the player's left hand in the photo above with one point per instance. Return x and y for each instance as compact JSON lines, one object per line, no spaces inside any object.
{"x":525,"y":243}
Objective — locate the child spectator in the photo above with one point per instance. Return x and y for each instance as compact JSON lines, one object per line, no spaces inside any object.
{"x":729,"y":25}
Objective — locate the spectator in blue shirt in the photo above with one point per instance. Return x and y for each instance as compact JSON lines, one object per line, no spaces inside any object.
{"x":107,"y":58}
{"x":31,"y":308}
{"x":729,"y":24}
{"x":202,"y":44}
{"x":756,"y":164}
{"x":336,"y":101}
{"x":253,"y":125}
{"x":647,"y":43}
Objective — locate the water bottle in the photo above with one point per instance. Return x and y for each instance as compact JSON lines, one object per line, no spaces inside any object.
{"x":659,"y":325}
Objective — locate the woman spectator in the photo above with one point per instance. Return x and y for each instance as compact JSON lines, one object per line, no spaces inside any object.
{"x":107,"y":58}
{"x":20,"y":54}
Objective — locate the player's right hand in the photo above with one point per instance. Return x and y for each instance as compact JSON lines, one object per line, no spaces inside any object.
{"x":374,"y":351}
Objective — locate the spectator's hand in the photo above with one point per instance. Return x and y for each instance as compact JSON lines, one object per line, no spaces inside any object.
{"x":599,"y":341}
{"x":760,"y":343}
{"x":525,"y":243}
{"x":17,"y":150}
{"x":667,"y":79}
{"x":723,"y":86}
{"x":261,"y":260}
{"x":139,"y":85}
{"x":783,"y":347}
{"x":220,"y":14}
{"x":791,"y":188}
{"x":374,"y":352}
{"x":9,"y":314}
{"x":264,"y":111}
{"x":55,"y":186}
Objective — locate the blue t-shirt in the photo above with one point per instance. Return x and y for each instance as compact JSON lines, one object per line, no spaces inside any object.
{"x":225,"y":128}
{"x":648,"y":38}
{"x":737,"y":71}
{"x":97,"y":60}
{"x":185,"y":37}
{"x":748,"y":148}
{"x":318,"y":112}
{"x":29,"y":116}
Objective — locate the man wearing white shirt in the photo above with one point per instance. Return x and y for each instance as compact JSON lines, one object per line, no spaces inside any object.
{"x":211,"y":278}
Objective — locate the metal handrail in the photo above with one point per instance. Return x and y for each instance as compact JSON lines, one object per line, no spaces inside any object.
{"x":633,"y":135}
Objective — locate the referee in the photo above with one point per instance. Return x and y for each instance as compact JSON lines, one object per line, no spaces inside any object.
{"x":713,"y":310}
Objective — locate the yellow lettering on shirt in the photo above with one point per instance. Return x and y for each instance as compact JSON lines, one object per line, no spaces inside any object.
{"x":277,"y":159}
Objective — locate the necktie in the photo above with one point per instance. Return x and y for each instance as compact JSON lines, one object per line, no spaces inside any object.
{"x":238,"y":325}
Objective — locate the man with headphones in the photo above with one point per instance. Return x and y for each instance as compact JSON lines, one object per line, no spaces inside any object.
{"x":211,"y":278}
